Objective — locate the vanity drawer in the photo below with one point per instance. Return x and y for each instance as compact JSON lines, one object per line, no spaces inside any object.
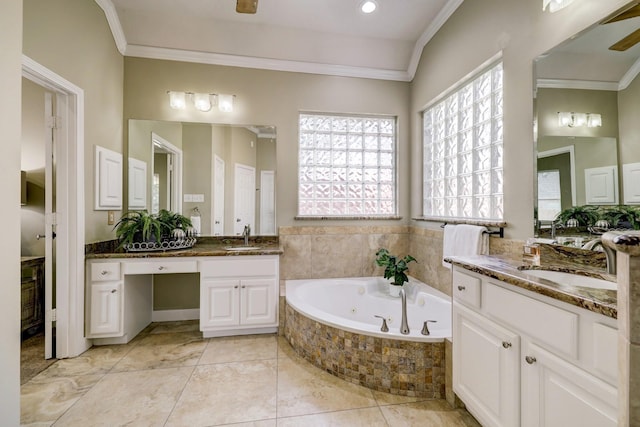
{"x":160,"y":266}
{"x":546,"y":323}
{"x":240,"y":267}
{"x":105,"y":271}
{"x":466,"y":288}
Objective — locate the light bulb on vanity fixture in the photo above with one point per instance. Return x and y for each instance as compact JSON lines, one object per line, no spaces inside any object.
{"x":201,"y":101}
{"x":368,"y":6}
{"x":571,"y":119}
{"x":555,"y":5}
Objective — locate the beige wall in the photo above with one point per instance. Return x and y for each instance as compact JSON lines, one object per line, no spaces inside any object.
{"x":10,"y":87}
{"x":628,"y":123}
{"x":196,"y":141}
{"x":72,"y":38}
{"x":476,"y":32}
{"x":269,"y":98}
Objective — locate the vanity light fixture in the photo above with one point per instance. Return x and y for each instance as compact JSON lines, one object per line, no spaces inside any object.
{"x":555,"y":5}
{"x":368,"y":6}
{"x":571,"y":119}
{"x":201,"y":101}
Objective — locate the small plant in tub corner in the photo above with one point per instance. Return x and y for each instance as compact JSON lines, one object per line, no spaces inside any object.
{"x":394,"y":268}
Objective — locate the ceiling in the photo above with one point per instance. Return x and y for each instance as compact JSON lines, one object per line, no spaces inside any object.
{"x":313,"y":36}
{"x":586,"y":58}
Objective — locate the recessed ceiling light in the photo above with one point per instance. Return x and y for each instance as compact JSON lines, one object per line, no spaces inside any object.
{"x":368,"y":6}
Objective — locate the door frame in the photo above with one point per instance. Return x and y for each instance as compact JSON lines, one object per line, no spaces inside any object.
{"x":174,"y":170}
{"x":70,"y":340}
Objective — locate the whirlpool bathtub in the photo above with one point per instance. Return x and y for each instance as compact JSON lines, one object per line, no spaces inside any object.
{"x":332,"y":324}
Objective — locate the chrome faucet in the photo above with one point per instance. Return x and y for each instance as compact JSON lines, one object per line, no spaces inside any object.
{"x":609,"y":253}
{"x":246,"y":233}
{"x":404,"y":326}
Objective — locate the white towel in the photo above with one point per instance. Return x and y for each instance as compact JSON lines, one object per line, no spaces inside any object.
{"x":195,"y":223}
{"x":464,"y":240}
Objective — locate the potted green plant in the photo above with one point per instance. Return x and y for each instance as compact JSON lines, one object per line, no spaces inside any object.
{"x":585,"y":215}
{"x":140,"y":226}
{"x":395,"y":269}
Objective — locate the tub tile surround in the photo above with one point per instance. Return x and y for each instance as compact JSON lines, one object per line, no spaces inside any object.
{"x":627,"y":246}
{"x":393,"y":366}
{"x":247,"y":381}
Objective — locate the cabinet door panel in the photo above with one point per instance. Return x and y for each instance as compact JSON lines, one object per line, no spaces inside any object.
{"x":559,"y":394}
{"x":258,"y":302}
{"x":219,"y":303}
{"x":106,"y":309}
{"x":486,"y":368}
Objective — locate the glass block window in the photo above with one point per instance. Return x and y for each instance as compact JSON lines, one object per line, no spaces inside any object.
{"x":463,"y":151}
{"x":346,"y":165}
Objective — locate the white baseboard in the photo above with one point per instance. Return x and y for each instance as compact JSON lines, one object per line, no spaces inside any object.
{"x":175,"y":315}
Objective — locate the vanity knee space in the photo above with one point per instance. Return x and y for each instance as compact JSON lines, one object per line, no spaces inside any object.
{"x":520,"y":358}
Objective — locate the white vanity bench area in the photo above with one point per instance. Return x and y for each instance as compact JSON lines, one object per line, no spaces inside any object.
{"x":238,"y":290}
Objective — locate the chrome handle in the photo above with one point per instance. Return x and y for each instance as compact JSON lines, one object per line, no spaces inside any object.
{"x":384,"y":327}
{"x":461,"y":288}
{"x":40,"y":236}
{"x":104,"y":272}
{"x":425,"y":327}
{"x":530,"y":360}
{"x":506,"y":344}
{"x":113,"y":291}
{"x":161,"y":268}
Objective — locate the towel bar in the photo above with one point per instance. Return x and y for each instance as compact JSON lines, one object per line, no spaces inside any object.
{"x":499,"y":232}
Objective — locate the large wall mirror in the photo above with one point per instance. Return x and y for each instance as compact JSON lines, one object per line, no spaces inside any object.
{"x":580,"y":161}
{"x":222,"y":174}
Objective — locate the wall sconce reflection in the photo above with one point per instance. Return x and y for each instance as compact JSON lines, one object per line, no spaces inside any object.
{"x":555,"y":5}
{"x":201,"y":101}
{"x":571,"y":119}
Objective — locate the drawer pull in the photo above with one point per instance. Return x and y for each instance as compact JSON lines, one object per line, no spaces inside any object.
{"x":104,"y":272}
{"x":113,"y":291}
{"x":461,"y":288}
{"x":506,"y":344}
{"x":162,"y":267}
{"x":530,"y":360}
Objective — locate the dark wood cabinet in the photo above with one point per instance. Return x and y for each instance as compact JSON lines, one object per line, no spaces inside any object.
{"x":32,"y":295}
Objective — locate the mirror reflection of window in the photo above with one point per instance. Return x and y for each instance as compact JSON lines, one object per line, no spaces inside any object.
{"x":155,"y":194}
{"x":549,"y":195}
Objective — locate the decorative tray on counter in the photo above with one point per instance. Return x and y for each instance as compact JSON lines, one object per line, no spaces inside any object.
{"x":165,"y":245}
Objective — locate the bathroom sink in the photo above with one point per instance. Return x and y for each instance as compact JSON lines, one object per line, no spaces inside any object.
{"x":241,"y":248}
{"x":573,"y":279}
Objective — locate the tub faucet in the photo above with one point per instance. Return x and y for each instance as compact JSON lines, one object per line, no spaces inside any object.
{"x":404,"y":327}
{"x":609,"y":253}
{"x":245,"y":233}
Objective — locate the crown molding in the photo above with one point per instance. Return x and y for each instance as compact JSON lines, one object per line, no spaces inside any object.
{"x":427,"y":35}
{"x":576,"y":84}
{"x":264,"y":63}
{"x":114,"y":24}
{"x":629,"y":76}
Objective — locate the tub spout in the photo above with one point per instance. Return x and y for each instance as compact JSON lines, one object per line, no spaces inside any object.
{"x":404,"y":327}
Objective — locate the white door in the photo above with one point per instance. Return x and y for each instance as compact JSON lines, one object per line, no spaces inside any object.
{"x":218,"y":197}
{"x":556,"y":393}
{"x":244,"y":197}
{"x":486,"y":368}
{"x":49,"y":226}
{"x":267,"y":203}
{"x":257,"y":302}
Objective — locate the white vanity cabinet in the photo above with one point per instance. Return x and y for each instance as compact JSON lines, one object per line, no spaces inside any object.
{"x":239,"y":295}
{"x":104,"y":311}
{"x":520,"y":358}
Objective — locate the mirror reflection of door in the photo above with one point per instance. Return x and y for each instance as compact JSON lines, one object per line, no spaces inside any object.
{"x":267,"y":203}
{"x":166,"y":189}
{"x":244,"y":198}
{"x":218,"y":197}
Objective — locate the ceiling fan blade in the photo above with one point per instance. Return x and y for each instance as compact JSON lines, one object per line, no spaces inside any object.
{"x":629,"y":13}
{"x":246,"y":6}
{"x":627,"y":42}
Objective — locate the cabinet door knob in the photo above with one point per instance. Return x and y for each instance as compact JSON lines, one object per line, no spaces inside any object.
{"x":104,"y":272}
{"x":113,"y":291}
{"x":461,"y":288}
{"x":506,"y":344}
{"x":243,"y":286}
{"x":530,"y":360}
{"x":235,"y":287}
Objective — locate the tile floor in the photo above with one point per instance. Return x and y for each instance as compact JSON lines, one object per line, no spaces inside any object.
{"x":170,"y":376}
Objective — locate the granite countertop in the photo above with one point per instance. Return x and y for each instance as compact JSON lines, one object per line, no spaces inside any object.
{"x":205,"y":246}
{"x":514,"y":272}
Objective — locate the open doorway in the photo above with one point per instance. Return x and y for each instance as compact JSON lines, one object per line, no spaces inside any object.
{"x":37,"y":230}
